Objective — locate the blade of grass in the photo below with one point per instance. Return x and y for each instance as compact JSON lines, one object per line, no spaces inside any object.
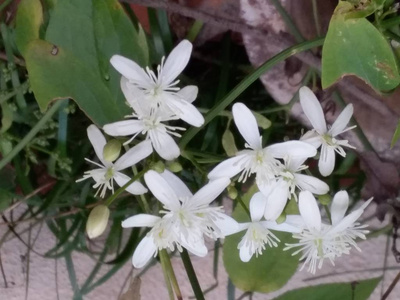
{"x":194,"y":30}
{"x":11,"y":64}
{"x":246,"y":82}
{"x":165,"y":31}
{"x":156,"y":35}
{"x":288,"y":21}
{"x":72,"y":277}
{"x":31,"y":134}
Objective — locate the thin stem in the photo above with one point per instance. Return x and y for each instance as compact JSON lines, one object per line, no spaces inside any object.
{"x":391,"y":287}
{"x":123,"y":188}
{"x":288,"y":21}
{"x":246,"y":82}
{"x":192,"y":275}
{"x":171,"y":274}
{"x":166,"y":277}
{"x":388,"y":23}
{"x":328,"y":213}
{"x":316,"y":17}
{"x":239,"y":199}
{"x":31,"y":134}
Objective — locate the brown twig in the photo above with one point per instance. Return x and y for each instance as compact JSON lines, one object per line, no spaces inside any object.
{"x":391,"y":286}
{"x":17,"y":61}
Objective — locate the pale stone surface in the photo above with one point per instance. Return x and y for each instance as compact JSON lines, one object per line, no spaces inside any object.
{"x":42,"y":272}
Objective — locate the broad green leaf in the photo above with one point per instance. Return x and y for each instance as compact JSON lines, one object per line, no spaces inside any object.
{"x":396,"y":135}
{"x":57,"y":74}
{"x":228,"y":143}
{"x":5,"y":199}
{"x":115,"y":34}
{"x":29,"y":20}
{"x":359,"y":290}
{"x":356,"y":47}
{"x":265,"y":273}
{"x":362,"y":9}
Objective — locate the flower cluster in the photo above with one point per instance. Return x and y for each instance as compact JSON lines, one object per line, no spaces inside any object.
{"x":279,"y":170}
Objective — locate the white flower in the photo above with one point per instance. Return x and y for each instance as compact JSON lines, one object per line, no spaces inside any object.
{"x":107,"y":172}
{"x":284,"y":187}
{"x":323,"y":135}
{"x":151,"y":92}
{"x":258,"y":235}
{"x":319,"y":241}
{"x":187,"y":217}
{"x":155,"y":130}
{"x":262,"y":161}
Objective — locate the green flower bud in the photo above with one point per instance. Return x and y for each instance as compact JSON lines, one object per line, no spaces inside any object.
{"x":232,"y":192}
{"x":97,"y":221}
{"x":281,"y":218}
{"x":158,"y":166}
{"x":112,"y":150}
{"x":174,"y":166}
{"x":324,"y":199}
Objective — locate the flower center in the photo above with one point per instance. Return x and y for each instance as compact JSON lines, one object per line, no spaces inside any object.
{"x":109,"y":173}
{"x":329,"y":140}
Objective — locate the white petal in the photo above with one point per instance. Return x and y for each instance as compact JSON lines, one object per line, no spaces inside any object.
{"x":134,"y":155}
{"x":247,"y":125}
{"x":326,"y":162}
{"x":135,"y":188}
{"x":185,"y":111}
{"x":179,"y":187}
{"x":257,"y":206}
{"x":350,"y":219}
{"x":176,"y":62}
{"x":244,"y":252}
{"x":293,"y":149}
{"x":164,"y":144}
{"x":294,"y":163}
{"x":124,"y":128}
{"x":276,"y":201}
{"x":197,"y":247}
{"x":313,"y":138}
{"x":161,"y":190}
{"x":285,"y":227}
{"x":97,"y":140}
{"x":226,"y":224}
{"x":229,"y":167}
{"x":296,"y":221}
{"x":312,"y":184}
{"x":140,"y":220}
{"x":144,"y":252}
{"x":188,"y":93}
{"x":343,"y":119}
{"x":131,"y":93}
{"x":309,"y":210}
{"x":339,"y":206}
{"x":209,"y":192}
{"x":130,"y":70}
{"x":312,"y":109}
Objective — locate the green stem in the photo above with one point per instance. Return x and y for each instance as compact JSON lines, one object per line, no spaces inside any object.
{"x":166,"y":277}
{"x":123,"y":188}
{"x":239,"y":199}
{"x":31,"y":134}
{"x":171,"y":274}
{"x":198,"y":293}
{"x":316,"y":17}
{"x":328,"y":213}
{"x":246,"y":82}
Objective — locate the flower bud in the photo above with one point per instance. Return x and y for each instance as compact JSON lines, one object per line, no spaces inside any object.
{"x":112,"y":150}
{"x":158,"y":166}
{"x":324,"y":199}
{"x":232,"y":192}
{"x":97,"y":221}
{"x":174,"y":166}
{"x":281,"y":218}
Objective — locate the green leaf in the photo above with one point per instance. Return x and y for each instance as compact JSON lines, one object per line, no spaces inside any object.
{"x":59,"y":75}
{"x":5,"y":199}
{"x":356,"y":47}
{"x":396,"y":135}
{"x":115,"y":34}
{"x":29,"y":20}
{"x":265,"y":273}
{"x":359,"y":290}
